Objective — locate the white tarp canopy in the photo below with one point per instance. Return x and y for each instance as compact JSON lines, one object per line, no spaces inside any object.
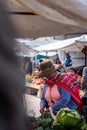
{"x":40,"y":18}
{"x":25,"y":50}
{"x":73,"y":44}
{"x":37,"y":42}
{"x":25,"y":46}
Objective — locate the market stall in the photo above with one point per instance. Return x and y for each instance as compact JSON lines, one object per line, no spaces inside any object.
{"x":35,"y":83}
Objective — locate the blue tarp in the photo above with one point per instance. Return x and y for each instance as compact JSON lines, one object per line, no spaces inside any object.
{"x":41,"y":56}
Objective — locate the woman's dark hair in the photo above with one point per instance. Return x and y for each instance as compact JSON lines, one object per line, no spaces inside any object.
{"x":58,"y":61}
{"x":12,"y":111}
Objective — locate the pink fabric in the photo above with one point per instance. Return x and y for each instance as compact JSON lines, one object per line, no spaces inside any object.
{"x":52,"y":94}
{"x":73,"y":93}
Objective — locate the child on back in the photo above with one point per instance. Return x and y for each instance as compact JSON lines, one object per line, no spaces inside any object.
{"x":72,"y":70}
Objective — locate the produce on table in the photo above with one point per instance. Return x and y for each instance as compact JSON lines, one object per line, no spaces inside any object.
{"x":66,"y":119}
{"x":45,"y":122}
{"x":28,"y":78}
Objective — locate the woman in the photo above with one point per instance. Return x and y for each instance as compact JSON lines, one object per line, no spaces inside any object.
{"x":58,"y":61}
{"x":68,"y":61}
{"x":55,"y":93}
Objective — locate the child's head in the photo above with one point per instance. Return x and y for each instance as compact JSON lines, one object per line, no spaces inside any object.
{"x":70,"y":70}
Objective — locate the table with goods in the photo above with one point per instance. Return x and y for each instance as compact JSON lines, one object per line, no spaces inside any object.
{"x":35,"y":83}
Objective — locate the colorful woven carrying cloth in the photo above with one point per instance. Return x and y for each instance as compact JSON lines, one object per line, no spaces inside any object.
{"x":69,"y":83}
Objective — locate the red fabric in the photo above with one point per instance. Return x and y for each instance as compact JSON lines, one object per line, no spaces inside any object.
{"x":68,"y":78}
{"x":71,"y":80}
{"x":73,"y":93}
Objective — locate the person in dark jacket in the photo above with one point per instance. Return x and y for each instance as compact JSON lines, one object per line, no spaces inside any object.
{"x":84,"y":88}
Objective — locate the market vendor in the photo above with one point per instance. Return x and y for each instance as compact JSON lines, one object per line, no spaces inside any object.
{"x":54,"y":95}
